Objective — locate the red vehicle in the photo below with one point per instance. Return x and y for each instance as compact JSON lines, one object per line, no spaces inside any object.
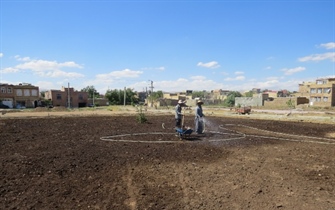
{"x":243,"y":110}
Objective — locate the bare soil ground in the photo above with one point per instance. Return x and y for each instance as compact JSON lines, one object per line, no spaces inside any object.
{"x":110,"y":161}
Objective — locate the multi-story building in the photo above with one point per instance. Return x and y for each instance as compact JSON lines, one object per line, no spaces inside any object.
{"x":7,"y":95}
{"x":220,"y":94}
{"x":320,"y":93}
{"x":18,"y":96}
{"x":67,"y":97}
{"x":177,"y":96}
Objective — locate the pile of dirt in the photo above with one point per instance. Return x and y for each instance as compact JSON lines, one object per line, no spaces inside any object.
{"x":60,"y":108}
{"x":41,"y":109}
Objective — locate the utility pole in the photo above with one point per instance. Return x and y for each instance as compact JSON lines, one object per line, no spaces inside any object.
{"x":68,"y":96}
{"x":124,"y":97}
{"x":152,"y":91}
{"x":93,"y":98}
{"x":152,"y":87}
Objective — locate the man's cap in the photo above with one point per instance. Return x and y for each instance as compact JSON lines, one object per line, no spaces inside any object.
{"x":200,"y":102}
{"x":181,"y":102}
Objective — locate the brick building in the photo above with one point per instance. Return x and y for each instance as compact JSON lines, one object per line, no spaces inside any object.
{"x":320,"y":93}
{"x":67,"y":97}
{"x":17,"y":96}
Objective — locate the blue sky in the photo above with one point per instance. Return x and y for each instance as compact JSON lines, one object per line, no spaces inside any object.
{"x":179,"y":45}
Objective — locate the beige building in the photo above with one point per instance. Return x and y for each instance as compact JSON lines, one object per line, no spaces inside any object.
{"x":178,"y":96}
{"x":271,"y":94}
{"x":19,"y":96}
{"x":220,"y":94}
{"x":320,"y":93}
{"x":67,"y":97}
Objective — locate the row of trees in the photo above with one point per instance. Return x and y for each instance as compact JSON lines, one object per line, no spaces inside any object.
{"x":115,"y":97}
{"x":118,"y":97}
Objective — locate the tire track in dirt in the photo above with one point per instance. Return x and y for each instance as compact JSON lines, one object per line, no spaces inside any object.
{"x":255,"y":132}
{"x":132,"y":190}
{"x":184,"y":180}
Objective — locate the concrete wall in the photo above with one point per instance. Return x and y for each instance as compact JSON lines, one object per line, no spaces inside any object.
{"x":248,"y":101}
{"x":280,"y":103}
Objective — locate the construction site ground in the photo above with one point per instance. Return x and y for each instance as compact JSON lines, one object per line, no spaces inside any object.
{"x":106,"y":159}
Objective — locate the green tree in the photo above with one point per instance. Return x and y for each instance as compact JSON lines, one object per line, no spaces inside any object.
{"x":42,"y":93}
{"x":249,"y":94}
{"x":116,"y":97}
{"x":92,"y":92}
{"x":156,"y":95}
{"x":290,"y":103}
{"x":230,"y":100}
{"x":113,"y":97}
{"x":198,"y":94}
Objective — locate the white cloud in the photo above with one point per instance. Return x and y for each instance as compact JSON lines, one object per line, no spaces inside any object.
{"x":126,"y":73}
{"x":56,"y":74}
{"x":198,"y":78}
{"x":196,"y":83}
{"x":19,"y":58}
{"x":44,"y":68}
{"x":114,"y":80}
{"x":224,"y":73}
{"x":10,"y":70}
{"x":239,"y":72}
{"x":268,"y":68}
{"x":267,"y":84}
{"x":161,"y":68}
{"x":45,"y":85}
{"x":272,"y":78}
{"x":238,"y":78}
{"x":328,"y":46}
{"x":1,"y":55}
{"x":319,"y":57}
{"x":293,"y":70}
{"x":211,"y":65}
{"x":43,"y":65}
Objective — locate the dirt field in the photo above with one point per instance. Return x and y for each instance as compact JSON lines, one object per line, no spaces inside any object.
{"x":95,"y":161}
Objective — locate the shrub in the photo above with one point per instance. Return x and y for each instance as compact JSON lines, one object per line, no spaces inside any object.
{"x":141,"y":118}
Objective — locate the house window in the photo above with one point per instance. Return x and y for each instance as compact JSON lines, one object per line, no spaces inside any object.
{"x":9,"y":90}
{"x":318,"y":99}
{"x":313,"y":90}
{"x":19,"y":92}
{"x":319,"y":90}
{"x":59,"y":96}
{"x":326,"y":90}
{"x":325,"y":99}
{"x":34,"y":92}
{"x":80,"y":97}
{"x":320,"y":82}
{"x":26,"y":92}
{"x":3,"y":90}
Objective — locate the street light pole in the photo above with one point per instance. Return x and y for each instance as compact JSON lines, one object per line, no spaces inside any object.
{"x":152,"y":91}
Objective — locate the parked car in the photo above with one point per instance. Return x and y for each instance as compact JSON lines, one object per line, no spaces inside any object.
{"x":3,"y":106}
{"x":19,"y":106}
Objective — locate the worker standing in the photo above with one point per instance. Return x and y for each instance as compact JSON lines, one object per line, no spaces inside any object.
{"x":178,"y":114}
{"x":199,"y":122}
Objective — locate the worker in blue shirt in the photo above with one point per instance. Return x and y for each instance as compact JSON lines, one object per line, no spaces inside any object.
{"x":178,"y":114}
{"x":199,"y":122}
